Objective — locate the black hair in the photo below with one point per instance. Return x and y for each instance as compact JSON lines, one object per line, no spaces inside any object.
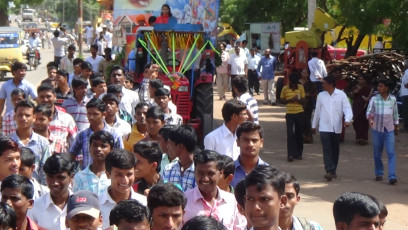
{"x":228,"y":165}
{"x":294,"y":78}
{"x":205,"y":156}
{"x":147,"y":66}
{"x":263,"y":175}
{"x":119,"y":158}
{"x":313,"y":54}
{"x":58,"y":163}
{"x":114,"y":88}
{"x":232,"y":107}
{"x":8,"y":217}
{"x":71,"y":47}
{"x":129,"y":210}
{"x":96,"y":81}
{"x":162,"y":92}
{"x":25,"y":104}
{"x":141,"y":105}
{"x":290,"y":179}
{"x":203,"y":223}
{"x":107,"y":50}
{"x":166,"y":5}
{"x":96,"y":103}
{"x":56,"y":33}
{"x":381,"y":206}
{"x":350,"y":204}
{"x":18,"y":65}
{"x":45,"y":109}
{"x":152,"y":19}
{"x":165,"y":131}
{"x":18,"y":91}
{"x":51,"y":63}
{"x":331,"y":80}
{"x":156,"y":83}
{"x":110,"y":97}
{"x":129,"y":78}
{"x":165,"y":194}
{"x":45,"y":87}
{"x":27,"y":157}
{"x":385,"y":81}
{"x":150,"y":151}
{"x":185,"y":135}
{"x":17,"y":181}
{"x":77,"y":61}
{"x":78,"y":82}
{"x":240,"y":83}
{"x":244,"y":42}
{"x":155,"y":112}
{"x":6,"y":143}
{"x":52,"y":67}
{"x":86,"y":65}
{"x":103,"y":136}
{"x":248,"y":127}
{"x":63,"y":73}
{"x":240,"y":192}
{"x":48,"y":81}
{"x":94,"y":46}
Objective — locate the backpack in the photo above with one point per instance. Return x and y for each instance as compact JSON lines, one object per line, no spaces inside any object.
{"x":306,"y":224}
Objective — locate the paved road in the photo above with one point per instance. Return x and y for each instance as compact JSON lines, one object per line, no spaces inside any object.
{"x":355,"y":167}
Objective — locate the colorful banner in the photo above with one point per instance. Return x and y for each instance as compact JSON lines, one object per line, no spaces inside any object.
{"x":203,"y":12}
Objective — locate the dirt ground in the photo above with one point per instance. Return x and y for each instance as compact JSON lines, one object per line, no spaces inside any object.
{"x":355,"y":170}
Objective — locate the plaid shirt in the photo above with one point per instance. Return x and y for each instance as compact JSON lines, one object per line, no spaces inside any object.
{"x":384,"y":113}
{"x":63,"y":129}
{"x":87,"y":180}
{"x":125,"y":116}
{"x":9,"y":124}
{"x":40,"y":146}
{"x":172,"y":173}
{"x":57,"y":144}
{"x":81,"y":144}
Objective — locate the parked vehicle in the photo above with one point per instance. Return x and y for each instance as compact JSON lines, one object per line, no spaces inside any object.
{"x":10,"y":48}
{"x":28,"y":14}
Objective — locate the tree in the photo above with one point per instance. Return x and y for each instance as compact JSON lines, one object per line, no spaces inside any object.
{"x":5,"y":8}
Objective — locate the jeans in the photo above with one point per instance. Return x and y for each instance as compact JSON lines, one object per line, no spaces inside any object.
{"x":253,"y":81}
{"x":379,"y":139}
{"x":405,"y":112}
{"x":331,"y":149}
{"x":267,"y":86}
{"x":294,"y":136}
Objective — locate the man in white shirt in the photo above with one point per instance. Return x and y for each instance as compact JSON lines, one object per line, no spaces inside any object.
{"x":237,"y":64}
{"x":67,"y":62}
{"x":59,"y":46}
{"x":120,"y":168}
{"x":89,"y":35}
{"x":108,"y":37}
{"x":331,"y":105}
{"x":253,"y":80}
{"x":130,"y":98}
{"x":404,"y":95}
{"x":317,"y":70}
{"x":223,"y":139}
{"x":94,"y":59}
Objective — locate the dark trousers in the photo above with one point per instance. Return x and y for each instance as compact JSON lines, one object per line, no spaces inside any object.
{"x":331,"y":149}
{"x":361,"y":127}
{"x":405,"y":112}
{"x":57,"y":60}
{"x":307,"y":127}
{"x":319,"y":86}
{"x":253,"y":81}
{"x":294,"y":131}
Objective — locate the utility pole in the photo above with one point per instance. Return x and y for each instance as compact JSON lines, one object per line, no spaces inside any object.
{"x":311,"y":8}
{"x":80,"y":14}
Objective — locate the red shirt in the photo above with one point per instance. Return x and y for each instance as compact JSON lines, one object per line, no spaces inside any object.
{"x":163,"y":19}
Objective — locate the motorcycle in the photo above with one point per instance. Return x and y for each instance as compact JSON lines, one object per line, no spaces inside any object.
{"x":33,"y":57}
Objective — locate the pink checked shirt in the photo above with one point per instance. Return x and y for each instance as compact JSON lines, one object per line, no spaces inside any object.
{"x":64,"y":127}
{"x":224,"y":210}
{"x":9,"y":124}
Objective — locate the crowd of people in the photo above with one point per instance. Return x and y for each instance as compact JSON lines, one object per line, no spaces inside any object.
{"x":87,"y":149}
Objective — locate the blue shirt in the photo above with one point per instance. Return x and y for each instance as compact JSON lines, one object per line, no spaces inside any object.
{"x":268,"y":67}
{"x":172,"y":173}
{"x":240,"y":172}
{"x":9,"y":86}
{"x":87,"y":180}
{"x":40,"y":146}
{"x":81,"y":144}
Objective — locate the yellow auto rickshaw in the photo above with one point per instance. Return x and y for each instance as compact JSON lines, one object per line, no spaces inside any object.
{"x":10,"y":48}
